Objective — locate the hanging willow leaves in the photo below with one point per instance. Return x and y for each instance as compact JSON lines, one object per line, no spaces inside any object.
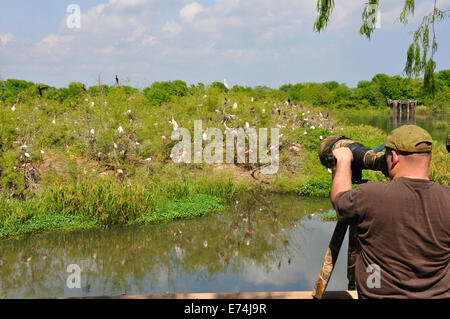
{"x":408,"y":8}
{"x":324,"y":8}
{"x":409,"y":60}
{"x":421,"y":42}
{"x":369,"y":18}
{"x":417,"y":60}
{"x":428,"y":80}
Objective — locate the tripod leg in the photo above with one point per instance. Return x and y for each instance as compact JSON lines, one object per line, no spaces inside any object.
{"x":330,"y":259}
{"x":351,"y":259}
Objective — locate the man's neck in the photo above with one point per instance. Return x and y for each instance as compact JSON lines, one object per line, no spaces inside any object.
{"x":413,"y":175}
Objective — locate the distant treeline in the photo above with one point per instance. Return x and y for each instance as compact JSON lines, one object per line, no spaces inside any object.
{"x":374,"y":93}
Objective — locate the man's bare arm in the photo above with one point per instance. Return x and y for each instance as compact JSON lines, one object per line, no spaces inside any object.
{"x":342,"y":180}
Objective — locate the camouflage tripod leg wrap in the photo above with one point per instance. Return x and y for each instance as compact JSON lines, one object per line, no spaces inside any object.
{"x":330,"y":259}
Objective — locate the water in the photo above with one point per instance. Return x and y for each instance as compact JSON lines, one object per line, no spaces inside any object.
{"x":261,"y":244}
{"x":438,"y":125}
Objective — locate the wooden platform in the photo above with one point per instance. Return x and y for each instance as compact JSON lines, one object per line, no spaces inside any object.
{"x":352,"y":294}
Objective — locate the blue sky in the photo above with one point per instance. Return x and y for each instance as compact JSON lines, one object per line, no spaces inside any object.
{"x":247,"y":42}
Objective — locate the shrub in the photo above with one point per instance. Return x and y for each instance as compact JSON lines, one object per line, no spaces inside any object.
{"x":315,"y":188}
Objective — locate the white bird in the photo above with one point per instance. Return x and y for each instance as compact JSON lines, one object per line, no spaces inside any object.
{"x":53,"y":122}
{"x":252,"y":99}
{"x":205,"y":136}
{"x":175,"y":124}
{"x":92,"y":131}
{"x":235,"y":105}
{"x":13,"y":108}
{"x":42,"y":152}
{"x":27,"y":155}
{"x":120,"y":129}
{"x":225,"y":83}
{"x":312,"y":127}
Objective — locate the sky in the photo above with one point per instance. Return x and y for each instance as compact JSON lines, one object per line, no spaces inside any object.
{"x":246,"y":42}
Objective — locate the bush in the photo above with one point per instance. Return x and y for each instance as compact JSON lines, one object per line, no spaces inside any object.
{"x":157,"y":96}
{"x":315,"y":188}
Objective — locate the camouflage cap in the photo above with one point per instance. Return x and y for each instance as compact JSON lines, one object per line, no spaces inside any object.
{"x":407,"y":138}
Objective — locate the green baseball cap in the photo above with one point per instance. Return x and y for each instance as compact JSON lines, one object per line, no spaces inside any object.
{"x":406,"y":138}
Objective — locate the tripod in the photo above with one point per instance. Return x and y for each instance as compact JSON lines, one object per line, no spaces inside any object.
{"x":335,"y":246}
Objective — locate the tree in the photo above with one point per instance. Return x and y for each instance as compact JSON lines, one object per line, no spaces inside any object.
{"x":419,"y":60}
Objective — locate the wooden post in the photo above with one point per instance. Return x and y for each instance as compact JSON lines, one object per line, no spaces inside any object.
{"x":413,"y":112}
{"x":408,"y":103}
{"x":394,"y":105}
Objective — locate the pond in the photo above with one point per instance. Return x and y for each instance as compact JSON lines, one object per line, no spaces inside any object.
{"x":438,"y":125}
{"x":271,"y":243}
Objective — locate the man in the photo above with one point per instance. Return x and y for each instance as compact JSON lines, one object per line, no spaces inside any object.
{"x":403,"y":225}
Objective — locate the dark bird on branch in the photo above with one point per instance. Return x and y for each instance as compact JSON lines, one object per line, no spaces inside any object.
{"x":117,"y":81}
{"x":41,"y":89}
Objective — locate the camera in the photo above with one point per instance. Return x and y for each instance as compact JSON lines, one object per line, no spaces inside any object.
{"x":363,"y":157}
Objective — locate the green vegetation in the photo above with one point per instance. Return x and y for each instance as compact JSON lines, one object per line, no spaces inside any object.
{"x":81,"y":157}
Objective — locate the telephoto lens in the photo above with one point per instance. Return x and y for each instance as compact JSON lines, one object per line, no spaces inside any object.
{"x":363,"y":157}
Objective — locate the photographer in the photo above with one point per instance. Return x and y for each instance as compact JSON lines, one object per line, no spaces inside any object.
{"x":403,"y":226}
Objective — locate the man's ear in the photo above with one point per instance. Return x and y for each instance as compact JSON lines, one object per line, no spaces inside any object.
{"x":394,"y":158}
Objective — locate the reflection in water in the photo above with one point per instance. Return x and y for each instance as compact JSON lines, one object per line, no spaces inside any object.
{"x":431,"y":122}
{"x":266,"y":243}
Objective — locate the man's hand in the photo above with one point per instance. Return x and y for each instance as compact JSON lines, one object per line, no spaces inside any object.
{"x":342,"y":180}
{"x":343,"y":154}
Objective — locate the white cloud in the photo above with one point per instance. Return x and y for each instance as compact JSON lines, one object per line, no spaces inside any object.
{"x":188,"y":13}
{"x":149,"y":41}
{"x":5,"y":38}
{"x":138,"y":33}
{"x":172,"y":28}
{"x":127,"y":4}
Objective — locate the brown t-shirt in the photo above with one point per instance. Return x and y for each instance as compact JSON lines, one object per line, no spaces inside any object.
{"x":404,"y":235}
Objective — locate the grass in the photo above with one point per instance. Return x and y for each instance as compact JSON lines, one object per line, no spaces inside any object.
{"x":29,"y":217}
{"x":95,"y":161}
{"x":328,"y":216}
{"x":188,"y":207}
